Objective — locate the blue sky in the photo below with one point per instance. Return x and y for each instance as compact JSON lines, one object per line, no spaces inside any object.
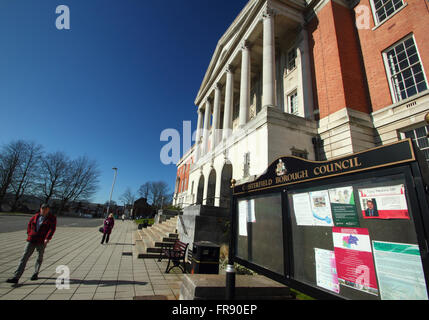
{"x":108,"y":87}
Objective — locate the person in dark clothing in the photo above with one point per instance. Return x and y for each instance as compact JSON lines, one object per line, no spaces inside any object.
{"x":371,"y":211}
{"x":108,"y":226}
{"x":40,"y":230}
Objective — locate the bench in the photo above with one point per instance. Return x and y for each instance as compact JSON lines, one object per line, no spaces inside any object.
{"x":175,"y":253}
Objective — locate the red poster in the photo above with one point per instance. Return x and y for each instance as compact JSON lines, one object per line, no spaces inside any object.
{"x":387,"y":202}
{"x":353,"y":255}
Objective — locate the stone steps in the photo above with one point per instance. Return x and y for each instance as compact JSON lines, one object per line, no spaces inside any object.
{"x":150,"y":239}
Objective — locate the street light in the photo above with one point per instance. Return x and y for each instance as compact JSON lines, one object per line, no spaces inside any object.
{"x":111,"y":191}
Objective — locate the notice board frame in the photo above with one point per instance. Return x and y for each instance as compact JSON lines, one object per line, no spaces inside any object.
{"x":402,"y":157}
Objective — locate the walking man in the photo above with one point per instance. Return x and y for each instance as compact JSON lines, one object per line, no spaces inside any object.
{"x":40,"y":230}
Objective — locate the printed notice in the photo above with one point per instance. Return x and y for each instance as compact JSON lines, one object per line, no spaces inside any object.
{"x":251,"y":217}
{"x":302,"y":209}
{"x":242,"y":217}
{"x":326,"y":270}
{"x":353,"y":256}
{"x":384,"y":203}
{"x":312,"y":209}
{"x":399,"y":271}
{"x":321,"y":208}
{"x":246,"y":213}
{"x":343,"y":207}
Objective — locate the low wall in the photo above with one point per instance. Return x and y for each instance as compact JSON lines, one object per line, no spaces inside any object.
{"x":203,"y":223}
{"x":212,"y":287}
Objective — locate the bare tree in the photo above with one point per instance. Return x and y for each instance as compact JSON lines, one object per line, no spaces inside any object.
{"x":145,"y":190}
{"x":159,"y":193}
{"x":128,"y":197}
{"x":156,"y":192}
{"x":26,"y":172}
{"x":80,"y":182}
{"x":53,"y":172}
{"x":11,"y":156}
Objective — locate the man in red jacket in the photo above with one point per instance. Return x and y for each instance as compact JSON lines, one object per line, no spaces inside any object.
{"x":40,"y":230}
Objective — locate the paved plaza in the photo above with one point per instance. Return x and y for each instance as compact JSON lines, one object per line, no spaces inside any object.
{"x":97,"y":272}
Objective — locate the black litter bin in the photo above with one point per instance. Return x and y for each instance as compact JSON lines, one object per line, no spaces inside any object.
{"x":205,"y":258}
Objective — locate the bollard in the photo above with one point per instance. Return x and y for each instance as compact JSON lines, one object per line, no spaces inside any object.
{"x":230,"y":282}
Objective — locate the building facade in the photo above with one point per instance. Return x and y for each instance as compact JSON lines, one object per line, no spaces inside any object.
{"x":316,"y":79}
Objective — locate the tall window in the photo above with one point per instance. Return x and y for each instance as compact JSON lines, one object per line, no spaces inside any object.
{"x":405,"y":69}
{"x":385,"y":8}
{"x":291,"y":60}
{"x":419,"y":136}
{"x":293,"y":102}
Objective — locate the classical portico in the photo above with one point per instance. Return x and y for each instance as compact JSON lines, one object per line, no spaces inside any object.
{"x":255,"y":100}
{"x":245,"y":59}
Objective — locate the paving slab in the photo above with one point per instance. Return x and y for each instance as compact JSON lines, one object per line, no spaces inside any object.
{"x":97,"y":272}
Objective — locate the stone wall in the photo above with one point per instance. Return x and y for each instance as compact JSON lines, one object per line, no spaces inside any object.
{"x":203,"y":223}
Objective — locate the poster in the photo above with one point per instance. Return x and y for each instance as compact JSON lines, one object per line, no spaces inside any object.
{"x":353,"y":256}
{"x":246,"y":213}
{"x":326,"y":270}
{"x":251,"y":217}
{"x":399,"y":271}
{"x":312,"y":209}
{"x":343,"y":207}
{"x":242,"y":218}
{"x":387,"y":202}
{"x":302,"y":209}
{"x":321,"y":208}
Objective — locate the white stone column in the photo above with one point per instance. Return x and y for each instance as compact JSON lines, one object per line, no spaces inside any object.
{"x":229,"y":97}
{"x":216,"y":116}
{"x":206,"y":132}
{"x":245,"y":83}
{"x":307,"y":87}
{"x":199,"y":134}
{"x":268,"y":60}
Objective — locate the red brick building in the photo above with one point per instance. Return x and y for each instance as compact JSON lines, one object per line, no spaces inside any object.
{"x":378,"y":69}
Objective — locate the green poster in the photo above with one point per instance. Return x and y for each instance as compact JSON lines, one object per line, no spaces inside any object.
{"x":343,"y":207}
{"x":399,"y":271}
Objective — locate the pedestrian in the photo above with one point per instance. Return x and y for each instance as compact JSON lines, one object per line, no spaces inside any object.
{"x":108,"y":226}
{"x":123,"y":217}
{"x":40,"y":230}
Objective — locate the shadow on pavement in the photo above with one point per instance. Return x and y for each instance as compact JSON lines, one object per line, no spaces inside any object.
{"x":107,"y":283}
{"x":121,"y":244}
{"x":101,"y":283}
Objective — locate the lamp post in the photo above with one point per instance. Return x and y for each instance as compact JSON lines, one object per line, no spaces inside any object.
{"x":111,"y":191}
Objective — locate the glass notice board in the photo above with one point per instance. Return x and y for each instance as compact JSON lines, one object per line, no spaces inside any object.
{"x":356,"y":239}
{"x":260,"y":231}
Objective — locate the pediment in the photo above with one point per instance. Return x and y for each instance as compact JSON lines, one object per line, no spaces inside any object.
{"x":229,"y":40}
{"x":234,"y":34}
